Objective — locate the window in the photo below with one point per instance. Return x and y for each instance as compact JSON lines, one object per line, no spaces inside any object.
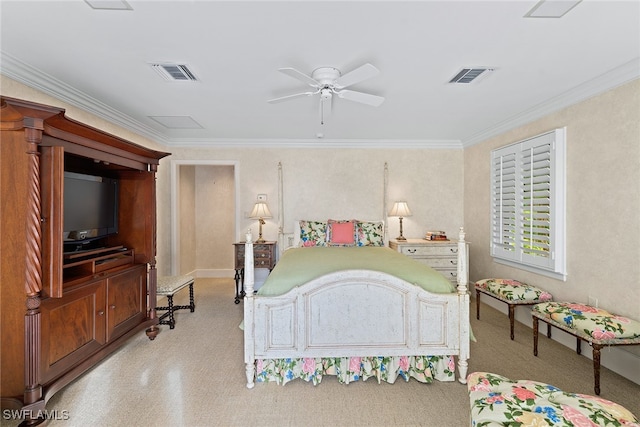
{"x":528,"y":204}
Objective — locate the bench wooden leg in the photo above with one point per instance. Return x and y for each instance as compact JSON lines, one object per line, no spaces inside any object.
{"x":171,"y":308}
{"x":535,"y":336}
{"x":596,"y":352}
{"x":172,"y":321}
{"x":596,"y":368}
{"x":477,"y":305}
{"x":512,"y":316}
{"x":192,"y":305}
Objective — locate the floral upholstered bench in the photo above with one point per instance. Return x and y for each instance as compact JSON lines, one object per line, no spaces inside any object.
{"x":511,"y":292}
{"x":169,"y":286}
{"x":496,"y":400}
{"x":598,"y":327}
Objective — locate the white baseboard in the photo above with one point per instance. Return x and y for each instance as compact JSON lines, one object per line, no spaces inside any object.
{"x":215,"y":273}
{"x":624,"y":361}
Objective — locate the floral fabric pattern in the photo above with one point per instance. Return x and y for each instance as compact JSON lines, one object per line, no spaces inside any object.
{"x":496,"y":400}
{"x":513,"y":291}
{"x":591,"y":322}
{"x":349,"y":369}
{"x":313,"y":233}
{"x":318,"y":233}
{"x":369,"y":233}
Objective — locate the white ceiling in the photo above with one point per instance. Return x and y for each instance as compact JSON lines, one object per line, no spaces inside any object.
{"x":99,"y":60}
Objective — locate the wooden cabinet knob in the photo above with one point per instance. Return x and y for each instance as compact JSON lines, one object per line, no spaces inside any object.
{"x":101,"y":313}
{"x":112,"y":307}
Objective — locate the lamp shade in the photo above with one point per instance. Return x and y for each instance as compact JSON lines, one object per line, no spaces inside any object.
{"x":400,"y":209}
{"x":260,"y":210}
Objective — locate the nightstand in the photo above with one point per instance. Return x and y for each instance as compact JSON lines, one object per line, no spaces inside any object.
{"x":442,"y":256}
{"x":264,"y":256}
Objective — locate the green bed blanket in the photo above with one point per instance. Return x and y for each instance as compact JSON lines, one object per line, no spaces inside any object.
{"x":300,"y":265}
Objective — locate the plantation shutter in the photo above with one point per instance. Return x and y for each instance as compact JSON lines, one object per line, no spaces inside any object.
{"x":528,"y":202}
{"x":535,"y":201}
{"x":504,"y":225}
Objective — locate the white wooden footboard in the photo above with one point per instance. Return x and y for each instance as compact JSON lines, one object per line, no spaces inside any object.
{"x":356,"y":313}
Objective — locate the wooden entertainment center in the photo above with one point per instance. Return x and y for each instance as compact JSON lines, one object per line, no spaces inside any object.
{"x":64,"y":311}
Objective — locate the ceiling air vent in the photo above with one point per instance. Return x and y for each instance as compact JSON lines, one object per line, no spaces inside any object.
{"x":468,"y":75}
{"x":174,"y":72}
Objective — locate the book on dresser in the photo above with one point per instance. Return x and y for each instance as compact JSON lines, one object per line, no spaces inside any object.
{"x":435,"y":235}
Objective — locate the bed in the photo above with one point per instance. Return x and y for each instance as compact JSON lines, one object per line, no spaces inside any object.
{"x":354,"y":319}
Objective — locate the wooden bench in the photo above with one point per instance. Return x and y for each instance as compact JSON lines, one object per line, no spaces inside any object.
{"x":598,"y":327}
{"x":496,"y":400}
{"x":511,"y":292}
{"x":168,"y":286}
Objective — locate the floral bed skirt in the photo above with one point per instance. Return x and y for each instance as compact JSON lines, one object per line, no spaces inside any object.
{"x":423,"y":368}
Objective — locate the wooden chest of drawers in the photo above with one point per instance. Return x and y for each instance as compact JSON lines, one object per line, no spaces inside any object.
{"x":264,"y":255}
{"x":440,"y":255}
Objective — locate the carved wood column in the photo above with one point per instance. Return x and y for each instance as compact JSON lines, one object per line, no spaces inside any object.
{"x":153,"y":331}
{"x":33,"y":277}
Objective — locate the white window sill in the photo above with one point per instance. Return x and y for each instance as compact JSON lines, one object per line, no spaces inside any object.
{"x":532,"y":269}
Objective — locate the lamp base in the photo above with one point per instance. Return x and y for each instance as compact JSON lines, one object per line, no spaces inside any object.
{"x":260,"y":240}
{"x":401,"y":238}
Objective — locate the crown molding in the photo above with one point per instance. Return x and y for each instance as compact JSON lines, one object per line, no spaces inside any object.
{"x":605,"y":82}
{"x":318,"y":143}
{"x":33,"y":77}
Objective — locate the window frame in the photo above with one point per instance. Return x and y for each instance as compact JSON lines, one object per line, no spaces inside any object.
{"x":528,"y":204}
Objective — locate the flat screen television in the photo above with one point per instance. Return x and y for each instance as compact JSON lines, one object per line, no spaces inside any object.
{"x":90,"y":208}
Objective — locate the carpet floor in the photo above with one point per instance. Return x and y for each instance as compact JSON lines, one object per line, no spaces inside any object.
{"x":194,"y":375}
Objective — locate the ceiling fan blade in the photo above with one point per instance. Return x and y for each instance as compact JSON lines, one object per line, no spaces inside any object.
{"x":361,"y":73}
{"x":292,"y":72}
{"x":364,"y":98}
{"x":288,"y":97}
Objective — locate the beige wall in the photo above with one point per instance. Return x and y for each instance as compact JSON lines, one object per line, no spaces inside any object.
{"x":603,"y":201}
{"x":215,"y":219}
{"x":347,"y":183}
{"x":603,"y":204}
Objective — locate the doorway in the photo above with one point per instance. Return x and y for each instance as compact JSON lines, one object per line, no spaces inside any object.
{"x":204,"y":217}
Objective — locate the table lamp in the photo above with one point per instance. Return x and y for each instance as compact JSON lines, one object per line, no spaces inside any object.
{"x":400,"y":209}
{"x":260,"y":212}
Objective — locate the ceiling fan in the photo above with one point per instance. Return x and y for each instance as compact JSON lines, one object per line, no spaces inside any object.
{"x":327,"y":81}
